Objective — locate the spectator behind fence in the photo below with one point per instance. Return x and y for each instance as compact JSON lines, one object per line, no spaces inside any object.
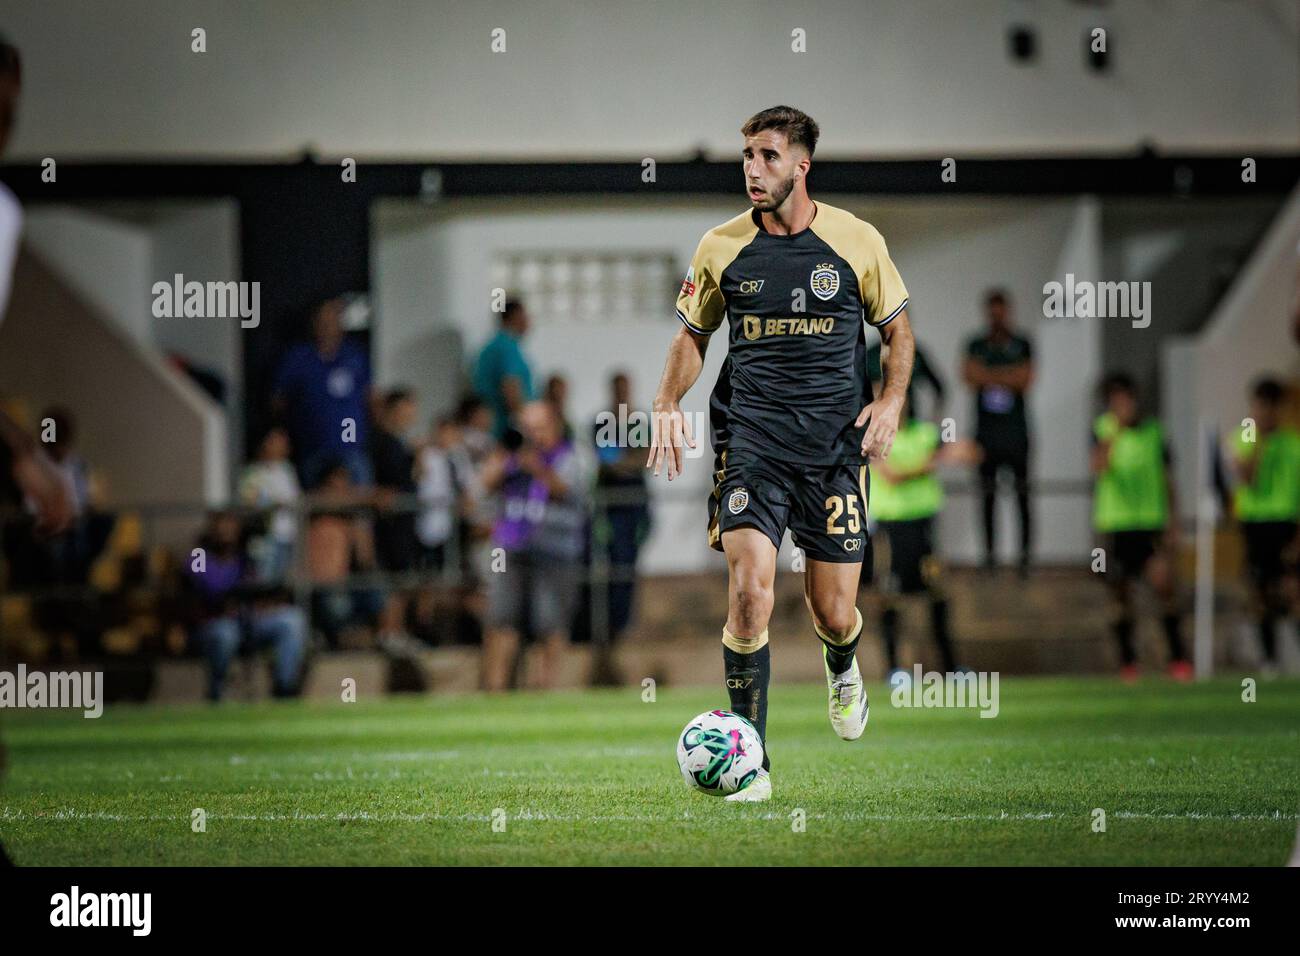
{"x":340,"y":542}
{"x":503,"y":378}
{"x":999,"y":367}
{"x":444,"y":478}
{"x":233,"y":611}
{"x":394,"y":467}
{"x":541,"y":529}
{"x":557,"y":393}
{"x":623,"y":521}
{"x":66,"y":558}
{"x":322,"y":388}
{"x":268,"y":483}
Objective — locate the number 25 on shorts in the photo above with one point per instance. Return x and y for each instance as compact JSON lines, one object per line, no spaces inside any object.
{"x":837,"y":505}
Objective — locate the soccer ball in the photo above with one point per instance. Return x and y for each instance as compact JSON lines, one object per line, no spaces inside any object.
{"x":719,"y":753}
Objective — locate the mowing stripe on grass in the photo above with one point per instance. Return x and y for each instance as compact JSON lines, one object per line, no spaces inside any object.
{"x":537,"y":816}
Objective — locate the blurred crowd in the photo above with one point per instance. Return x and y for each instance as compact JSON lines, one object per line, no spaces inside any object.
{"x":356,"y":526}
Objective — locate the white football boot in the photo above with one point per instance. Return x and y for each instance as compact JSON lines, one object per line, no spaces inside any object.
{"x":760,"y":789}
{"x":848,"y":703}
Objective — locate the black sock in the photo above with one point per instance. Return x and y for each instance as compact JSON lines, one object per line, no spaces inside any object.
{"x":889,"y":631}
{"x":1124,"y":634}
{"x":839,"y":657}
{"x":747,"y":678}
{"x":939,"y":622}
{"x":1173,"y":624}
{"x":1268,"y":634}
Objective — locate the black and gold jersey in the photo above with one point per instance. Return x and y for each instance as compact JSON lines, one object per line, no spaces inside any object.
{"x":795,"y":376}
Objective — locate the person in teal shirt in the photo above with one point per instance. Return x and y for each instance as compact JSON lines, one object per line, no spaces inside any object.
{"x":503,"y":378}
{"x":1266,"y":504}
{"x":1134,"y":514}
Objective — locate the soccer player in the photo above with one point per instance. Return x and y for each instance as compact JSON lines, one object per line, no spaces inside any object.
{"x":1134,"y":512}
{"x":1267,"y":506}
{"x":999,"y":367}
{"x":906,"y":498}
{"x":792,"y":417}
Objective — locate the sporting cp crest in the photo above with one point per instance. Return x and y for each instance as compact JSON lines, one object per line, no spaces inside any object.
{"x":738,"y":501}
{"x":825,"y":281}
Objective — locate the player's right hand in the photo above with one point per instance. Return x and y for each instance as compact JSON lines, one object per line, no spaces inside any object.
{"x":670,"y":433}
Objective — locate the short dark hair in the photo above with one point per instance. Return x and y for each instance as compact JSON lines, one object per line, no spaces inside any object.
{"x":995,"y":296}
{"x":513,"y":306}
{"x":395,"y":396}
{"x":799,"y":128}
{"x":1268,"y":390}
{"x":468,"y":405}
{"x":11,"y":64}
{"x":1118,"y":382}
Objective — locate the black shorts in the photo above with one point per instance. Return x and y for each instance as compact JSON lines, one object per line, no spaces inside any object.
{"x":824,"y":506}
{"x":1265,"y":543}
{"x":1127,"y":552}
{"x":912,"y":564}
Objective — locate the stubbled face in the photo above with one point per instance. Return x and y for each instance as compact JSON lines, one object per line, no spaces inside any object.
{"x":9,"y":89}
{"x":771,"y":167}
{"x":1123,"y":405}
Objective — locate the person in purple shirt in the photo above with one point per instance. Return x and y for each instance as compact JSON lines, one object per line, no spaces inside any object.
{"x":229,"y":609}
{"x":542,"y":528}
{"x":320,"y":387}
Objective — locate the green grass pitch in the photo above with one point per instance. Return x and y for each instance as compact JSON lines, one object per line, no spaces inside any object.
{"x":1186,"y":774}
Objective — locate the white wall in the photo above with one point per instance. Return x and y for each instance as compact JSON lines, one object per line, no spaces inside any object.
{"x":99,"y":265}
{"x":432,"y":276}
{"x":200,"y":241}
{"x":620,"y":78}
{"x":104,"y":260}
{"x":1249,"y":335}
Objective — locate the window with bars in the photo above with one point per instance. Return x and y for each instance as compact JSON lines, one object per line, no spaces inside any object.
{"x":593,"y":286}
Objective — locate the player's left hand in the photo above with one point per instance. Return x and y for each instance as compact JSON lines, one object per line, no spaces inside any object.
{"x":883,"y":414}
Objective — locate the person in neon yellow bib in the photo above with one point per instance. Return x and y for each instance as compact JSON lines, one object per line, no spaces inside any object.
{"x":906,"y":498}
{"x":1134,"y":514}
{"x":1266,"y":504}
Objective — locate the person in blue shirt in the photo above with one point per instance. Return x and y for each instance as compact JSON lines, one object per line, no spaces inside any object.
{"x":502,"y":376}
{"x":323,"y":390}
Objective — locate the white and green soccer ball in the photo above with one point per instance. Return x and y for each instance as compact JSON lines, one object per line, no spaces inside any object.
{"x":719,"y":753}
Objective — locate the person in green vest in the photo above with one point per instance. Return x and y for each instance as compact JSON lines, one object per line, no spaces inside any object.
{"x":1266,"y":503}
{"x":1134,"y":513}
{"x":906,"y":497}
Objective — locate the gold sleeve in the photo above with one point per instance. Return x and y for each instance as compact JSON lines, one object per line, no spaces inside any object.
{"x":700,"y":305}
{"x":883,"y":292}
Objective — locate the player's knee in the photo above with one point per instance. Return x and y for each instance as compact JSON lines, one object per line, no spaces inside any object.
{"x":836,"y":619}
{"x":752,"y":603}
